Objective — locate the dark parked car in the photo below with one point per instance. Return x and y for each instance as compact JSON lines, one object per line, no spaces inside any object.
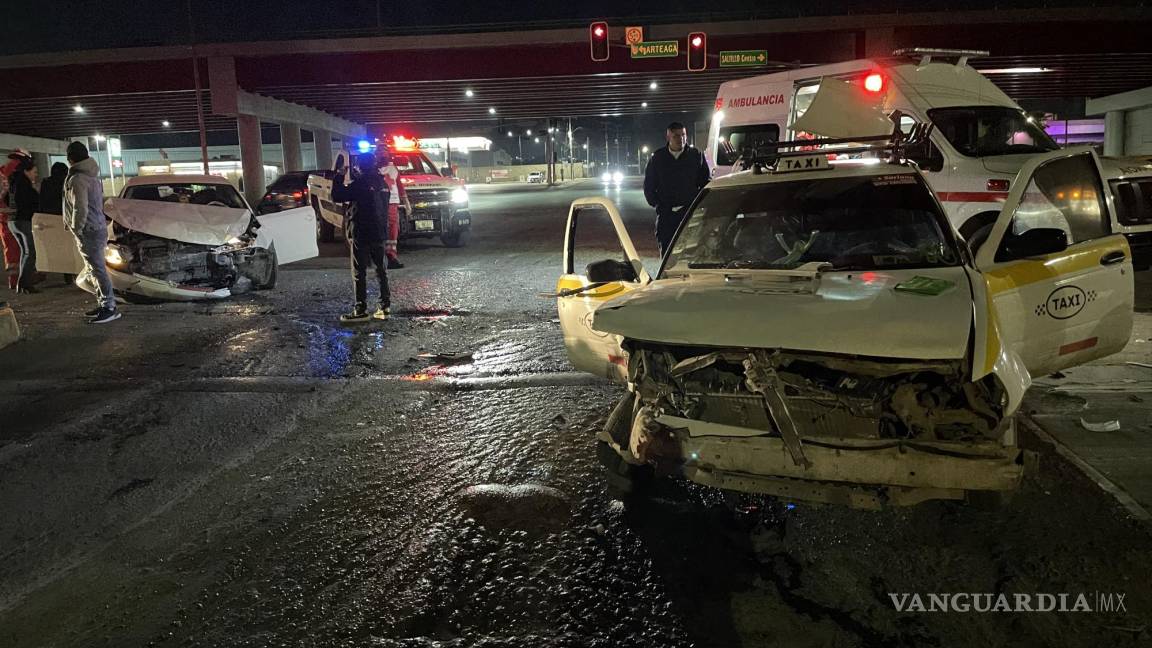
{"x":288,"y":191}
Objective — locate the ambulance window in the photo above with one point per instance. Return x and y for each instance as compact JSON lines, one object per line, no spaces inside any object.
{"x":1133,"y":201}
{"x":804,"y":95}
{"x":981,"y":131}
{"x":734,"y":140}
{"x":1064,"y":194}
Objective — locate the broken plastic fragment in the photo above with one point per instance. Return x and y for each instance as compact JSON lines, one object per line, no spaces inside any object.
{"x":1105,"y":426}
{"x":925,"y":286}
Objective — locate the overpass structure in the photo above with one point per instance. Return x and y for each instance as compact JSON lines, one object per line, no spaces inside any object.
{"x":345,"y":88}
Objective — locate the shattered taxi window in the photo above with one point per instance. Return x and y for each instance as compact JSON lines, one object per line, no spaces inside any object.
{"x":216,"y":195}
{"x":862,"y":222}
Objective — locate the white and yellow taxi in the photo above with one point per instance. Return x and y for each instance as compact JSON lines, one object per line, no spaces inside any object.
{"x":819,"y":331}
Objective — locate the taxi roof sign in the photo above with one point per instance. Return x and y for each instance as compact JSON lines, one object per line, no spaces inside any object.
{"x":804,"y":163}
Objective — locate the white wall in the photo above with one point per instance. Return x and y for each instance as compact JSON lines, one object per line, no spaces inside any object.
{"x":1138,"y":131}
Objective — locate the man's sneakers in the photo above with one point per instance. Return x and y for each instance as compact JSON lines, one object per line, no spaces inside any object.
{"x":358,"y":314}
{"x":394,"y":263}
{"x":382,"y":313}
{"x":94,"y":312}
{"x":105,"y":315}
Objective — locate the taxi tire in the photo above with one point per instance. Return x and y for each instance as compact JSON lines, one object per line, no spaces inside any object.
{"x":623,"y":479}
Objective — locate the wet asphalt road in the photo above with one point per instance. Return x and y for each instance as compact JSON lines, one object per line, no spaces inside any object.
{"x":250,"y":473}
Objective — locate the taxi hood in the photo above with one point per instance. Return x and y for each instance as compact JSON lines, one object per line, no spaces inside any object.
{"x":858,"y":313}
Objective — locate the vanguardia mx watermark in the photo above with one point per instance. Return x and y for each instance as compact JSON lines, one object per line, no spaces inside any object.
{"x":1106,"y":602}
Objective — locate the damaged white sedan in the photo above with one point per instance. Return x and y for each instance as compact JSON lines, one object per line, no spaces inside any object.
{"x":183,"y":238}
{"x":819,"y":331}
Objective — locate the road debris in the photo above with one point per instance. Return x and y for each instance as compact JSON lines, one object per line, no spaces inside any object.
{"x":1105,"y":426}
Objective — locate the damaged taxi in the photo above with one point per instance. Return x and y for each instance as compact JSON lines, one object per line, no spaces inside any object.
{"x":183,"y":238}
{"x":819,"y":331}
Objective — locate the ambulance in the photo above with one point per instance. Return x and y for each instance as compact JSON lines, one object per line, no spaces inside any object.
{"x":981,"y":138}
{"x":439,"y":200}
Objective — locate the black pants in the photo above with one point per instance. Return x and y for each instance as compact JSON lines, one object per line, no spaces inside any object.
{"x":365,"y":253}
{"x":667,"y":221}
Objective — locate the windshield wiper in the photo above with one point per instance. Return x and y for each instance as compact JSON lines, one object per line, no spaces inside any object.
{"x":701,"y":265}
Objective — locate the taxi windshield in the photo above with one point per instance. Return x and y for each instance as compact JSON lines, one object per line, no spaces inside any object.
{"x":853,"y":223}
{"x":413,"y":164}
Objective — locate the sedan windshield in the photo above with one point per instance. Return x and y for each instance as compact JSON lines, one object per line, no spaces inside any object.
{"x":217,"y":195}
{"x":982,"y":131}
{"x":852,"y":223}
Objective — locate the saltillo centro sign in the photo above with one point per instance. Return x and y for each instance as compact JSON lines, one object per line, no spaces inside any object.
{"x":743,"y":58}
{"x":655,"y":49}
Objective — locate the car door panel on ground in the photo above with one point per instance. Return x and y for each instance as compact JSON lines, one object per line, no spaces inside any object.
{"x":579,"y":295}
{"x":56,"y":249}
{"x":292,"y":231}
{"x":1058,"y":301}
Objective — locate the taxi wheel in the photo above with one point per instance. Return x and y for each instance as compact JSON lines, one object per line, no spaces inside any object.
{"x":624,"y":480}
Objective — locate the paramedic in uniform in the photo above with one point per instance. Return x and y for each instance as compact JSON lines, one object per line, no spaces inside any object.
{"x":675,"y":174}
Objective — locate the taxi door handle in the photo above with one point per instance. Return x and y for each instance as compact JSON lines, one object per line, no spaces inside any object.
{"x":1112,"y":258}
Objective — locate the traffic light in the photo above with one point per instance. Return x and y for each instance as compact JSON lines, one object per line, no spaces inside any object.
{"x":598,"y":40}
{"x":697,"y":51}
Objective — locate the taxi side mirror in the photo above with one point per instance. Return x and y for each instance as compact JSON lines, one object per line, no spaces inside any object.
{"x":446,"y":172}
{"x":610,"y":270}
{"x":1035,"y":242}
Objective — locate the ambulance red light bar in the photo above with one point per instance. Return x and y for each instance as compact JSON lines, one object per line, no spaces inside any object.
{"x":402,"y":143}
{"x":874,"y":82}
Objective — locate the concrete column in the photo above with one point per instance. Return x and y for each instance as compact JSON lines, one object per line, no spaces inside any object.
{"x":290,"y":141}
{"x":42,"y":164}
{"x":323,"y":140}
{"x":251,"y":157}
{"x":1114,"y":132}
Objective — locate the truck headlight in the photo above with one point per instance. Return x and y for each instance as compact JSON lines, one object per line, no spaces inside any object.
{"x":114,"y":256}
{"x":617,"y":177}
{"x":459,"y":196}
{"x":606,"y":177}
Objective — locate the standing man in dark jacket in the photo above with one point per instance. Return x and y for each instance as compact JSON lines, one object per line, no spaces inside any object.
{"x":366,"y":228}
{"x":52,"y":190}
{"x":675,"y":174}
{"x":84,"y":217}
{"x":24,"y":201}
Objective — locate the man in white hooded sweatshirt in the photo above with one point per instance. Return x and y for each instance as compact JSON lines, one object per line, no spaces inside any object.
{"x":84,"y":217}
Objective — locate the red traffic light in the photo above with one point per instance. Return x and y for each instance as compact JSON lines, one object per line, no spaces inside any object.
{"x":697,"y":51}
{"x":598,"y":41}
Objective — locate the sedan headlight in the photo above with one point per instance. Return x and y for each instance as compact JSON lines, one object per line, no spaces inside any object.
{"x":607,"y":177}
{"x":617,"y":177}
{"x":114,"y":256}
{"x":459,"y":196}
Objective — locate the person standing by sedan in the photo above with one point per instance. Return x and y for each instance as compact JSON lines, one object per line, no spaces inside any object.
{"x":24,"y":201}
{"x":52,"y":190}
{"x":366,"y":229}
{"x":675,"y":174}
{"x":7,"y":242}
{"x":84,"y":217}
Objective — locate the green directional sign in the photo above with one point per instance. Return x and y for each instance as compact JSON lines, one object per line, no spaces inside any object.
{"x":655,"y":49}
{"x":743,"y":58}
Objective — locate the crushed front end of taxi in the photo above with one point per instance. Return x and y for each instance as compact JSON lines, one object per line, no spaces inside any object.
{"x":858,"y":431}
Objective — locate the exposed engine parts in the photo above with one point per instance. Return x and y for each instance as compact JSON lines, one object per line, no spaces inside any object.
{"x":793,"y":395}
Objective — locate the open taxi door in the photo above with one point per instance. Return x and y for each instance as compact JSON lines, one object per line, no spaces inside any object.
{"x":1057,"y":285}
{"x":56,"y":248}
{"x":580,"y":291}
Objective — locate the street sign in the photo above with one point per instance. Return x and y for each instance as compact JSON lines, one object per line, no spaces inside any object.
{"x":743,"y":58}
{"x":114,"y":146}
{"x":656,"y":49}
{"x":633,"y":35}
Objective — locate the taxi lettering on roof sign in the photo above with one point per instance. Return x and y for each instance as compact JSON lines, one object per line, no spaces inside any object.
{"x":808,"y":163}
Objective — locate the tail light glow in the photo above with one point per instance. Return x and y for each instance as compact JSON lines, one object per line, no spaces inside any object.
{"x":997,"y":184}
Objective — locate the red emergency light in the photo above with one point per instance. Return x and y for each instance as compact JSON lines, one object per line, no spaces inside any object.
{"x":874,"y":82}
{"x":402,"y":143}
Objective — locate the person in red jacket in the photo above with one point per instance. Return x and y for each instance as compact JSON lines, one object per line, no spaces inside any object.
{"x":11,"y":246}
{"x":396,"y":196}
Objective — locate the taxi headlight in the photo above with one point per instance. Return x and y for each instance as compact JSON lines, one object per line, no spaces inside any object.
{"x":459,"y":196}
{"x":114,"y":256}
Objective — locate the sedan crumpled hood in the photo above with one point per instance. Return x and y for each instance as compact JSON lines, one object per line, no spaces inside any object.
{"x":202,"y":224}
{"x":857,"y":313}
